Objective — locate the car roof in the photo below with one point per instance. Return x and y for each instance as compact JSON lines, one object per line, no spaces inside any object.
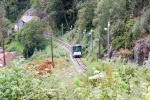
{"x":76,"y":45}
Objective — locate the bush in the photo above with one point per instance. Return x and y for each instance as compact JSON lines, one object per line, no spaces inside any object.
{"x":14,"y":46}
{"x":126,"y":38}
{"x":115,"y":80}
{"x":31,"y":37}
{"x":141,"y":27}
{"x":21,"y":84}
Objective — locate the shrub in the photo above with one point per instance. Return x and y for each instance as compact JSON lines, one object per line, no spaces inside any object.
{"x":14,"y":46}
{"x":31,"y":36}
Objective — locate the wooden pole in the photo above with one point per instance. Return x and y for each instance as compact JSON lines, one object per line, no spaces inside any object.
{"x":51,"y":42}
{"x":99,"y":45}
{"x":52,"y":52}
{"x":108,"y":39}
{"x":62,"y":29}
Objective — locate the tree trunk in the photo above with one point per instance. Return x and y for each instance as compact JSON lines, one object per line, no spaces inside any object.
{"x":73,"y":12}
{"x":3,"y":49}
{"x":66,"y":19}
{"x":73,"y":7}
{"x":27,"y":53}
{"x":99,"y":43}
{"x":64,"y":12}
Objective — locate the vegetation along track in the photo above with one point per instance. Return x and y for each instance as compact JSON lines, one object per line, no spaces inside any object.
{"x":79,"y":65}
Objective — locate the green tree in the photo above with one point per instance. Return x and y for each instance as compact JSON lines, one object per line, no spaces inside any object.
{"x":39,"y":5}
{"x":60,"y":11}
{"x":15,"y":8}
{"x":109,"y":10}
{"x":114,"y":11}
{"x":57,"y":10}
{"x":4,"y":25}
{"x":31,"y":36}
{"x":142,"y":25}
{"x":85,"y":16}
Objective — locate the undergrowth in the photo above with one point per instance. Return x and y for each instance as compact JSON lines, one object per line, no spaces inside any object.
{"x":14,"y":46}
{"x":104,"y":80}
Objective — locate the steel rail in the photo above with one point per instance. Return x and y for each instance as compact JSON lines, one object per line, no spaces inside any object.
{"x":77,"y":61}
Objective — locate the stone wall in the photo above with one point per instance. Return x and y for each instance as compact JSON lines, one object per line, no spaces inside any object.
{"x":141,"y":50}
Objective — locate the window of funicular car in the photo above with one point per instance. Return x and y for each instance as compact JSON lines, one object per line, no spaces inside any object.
{"x":77,"y":49}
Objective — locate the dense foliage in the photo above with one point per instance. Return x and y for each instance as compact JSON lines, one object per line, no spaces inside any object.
{"x":129,"y":20}
{"x":104,"y":80}
{"x":60,"y":12}
{"x":15,"y":8}
{"x":107,"y":81}
{"x":31,"y":36}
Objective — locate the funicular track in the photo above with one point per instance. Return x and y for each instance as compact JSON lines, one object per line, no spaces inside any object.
{"x":79,"y":65}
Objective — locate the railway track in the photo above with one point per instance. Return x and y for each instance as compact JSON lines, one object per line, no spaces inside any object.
{"x":78,"y":63}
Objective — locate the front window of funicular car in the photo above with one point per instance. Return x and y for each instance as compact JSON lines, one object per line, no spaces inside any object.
{"x":77,"y":49}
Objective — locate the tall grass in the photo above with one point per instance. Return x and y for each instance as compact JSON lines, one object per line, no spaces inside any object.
{"x":104,"y":80}
{"x":14,"y":46}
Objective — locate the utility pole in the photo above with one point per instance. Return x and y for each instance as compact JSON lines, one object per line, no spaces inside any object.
{"x":71,"y":34}
{"x":52,"y":51}
{"x":51,"y":43}
{"x":108,"y":28}
{"x":84,"y":32}
{"x":62,"y":29}
{"x":91,"y":39}
{"x":99,"y":45}
{"x":78,"y":35}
